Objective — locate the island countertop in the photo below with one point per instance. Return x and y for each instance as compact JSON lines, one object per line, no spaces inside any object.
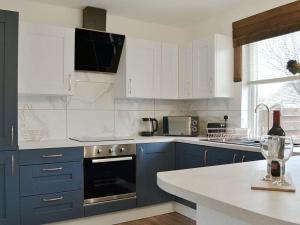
{"x":225,"y":192}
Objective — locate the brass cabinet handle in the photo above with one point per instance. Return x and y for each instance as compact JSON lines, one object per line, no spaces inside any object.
{"x":53,"y":156}
{"x":234,"y":158}
{"x":205,"y":157}
{"x":52,"y":169}
{"x":53,"y":199}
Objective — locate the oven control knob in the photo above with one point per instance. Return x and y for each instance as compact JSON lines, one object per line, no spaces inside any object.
{"x":122,"y":149}
{"x":99,"y":151}
{"x":110,"y":150}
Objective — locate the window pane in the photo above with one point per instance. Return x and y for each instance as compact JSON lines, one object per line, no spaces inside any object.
{"x":270,"y":56}
{"x":286,"y":97}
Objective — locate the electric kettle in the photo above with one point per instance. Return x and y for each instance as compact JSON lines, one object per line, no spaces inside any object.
{"x":148,"y":126}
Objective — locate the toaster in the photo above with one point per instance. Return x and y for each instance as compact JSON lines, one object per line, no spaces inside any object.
{"x":181,"y":126}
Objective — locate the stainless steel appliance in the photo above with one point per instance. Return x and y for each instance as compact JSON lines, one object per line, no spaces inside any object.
{"x":148,"y":126}
{"x":181,"y":125}
{"x":109,"y":173}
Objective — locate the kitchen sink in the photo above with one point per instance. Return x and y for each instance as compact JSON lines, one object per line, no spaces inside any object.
{"x":247,"y":142}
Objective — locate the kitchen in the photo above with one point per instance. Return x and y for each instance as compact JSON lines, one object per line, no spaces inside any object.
{"x":162,"y":73}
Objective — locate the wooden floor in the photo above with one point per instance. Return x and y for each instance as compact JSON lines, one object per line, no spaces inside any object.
{"x":166,"y":219}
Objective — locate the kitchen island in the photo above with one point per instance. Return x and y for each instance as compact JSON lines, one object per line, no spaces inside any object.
{"x":224,"y":197}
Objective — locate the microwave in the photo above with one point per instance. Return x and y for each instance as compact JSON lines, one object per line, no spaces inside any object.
{"x":181,"y":126}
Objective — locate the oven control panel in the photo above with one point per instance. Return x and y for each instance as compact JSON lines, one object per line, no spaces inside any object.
{"x":98,"y":151}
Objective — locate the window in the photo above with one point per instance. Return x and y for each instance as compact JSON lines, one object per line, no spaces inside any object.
{"x":271,"y":83}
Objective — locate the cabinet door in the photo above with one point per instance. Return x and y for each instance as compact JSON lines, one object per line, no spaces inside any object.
{"x":186,"y":71}
{"x":9,"y":189}
{"x":151,"y":159}
{"x":203,"y":65}
{"x":219,"y":156}
{"x":189,"y":156}
{"x":250,"y":156}
{"x":167,"y":82}
{"x":8,"y":80}
{"x":223,"y":52}
{"x":143,"y":61}
{"x":46,"y":59}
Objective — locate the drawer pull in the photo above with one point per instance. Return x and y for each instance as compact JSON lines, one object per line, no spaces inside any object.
{"x":53,"y":199}
{"x":53,"y":156}
{"x":52,"y":169}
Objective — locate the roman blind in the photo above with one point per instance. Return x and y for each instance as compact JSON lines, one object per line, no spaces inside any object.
{"x":275,"y":22}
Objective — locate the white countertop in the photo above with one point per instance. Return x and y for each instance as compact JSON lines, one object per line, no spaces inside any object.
{"x":25,"y":145}
{"x":227,"y":188}
{"x":64,"y":143}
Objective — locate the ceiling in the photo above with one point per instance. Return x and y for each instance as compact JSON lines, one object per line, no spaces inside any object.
{"x":170,"y":12}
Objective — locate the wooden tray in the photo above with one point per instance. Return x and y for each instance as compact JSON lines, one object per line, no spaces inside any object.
{"x":268,"y":186}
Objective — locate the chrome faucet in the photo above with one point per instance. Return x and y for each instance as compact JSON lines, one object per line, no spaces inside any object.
{"x":268,"y":110}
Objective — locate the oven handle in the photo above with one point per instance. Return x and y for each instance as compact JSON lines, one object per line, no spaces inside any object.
{"x":112,"y":159}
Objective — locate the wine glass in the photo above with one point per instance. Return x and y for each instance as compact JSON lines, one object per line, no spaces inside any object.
{"x":265,"y":148}
{"x":278,"y":149}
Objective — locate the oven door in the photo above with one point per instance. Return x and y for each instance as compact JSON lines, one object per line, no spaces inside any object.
{"x":107,"y":179}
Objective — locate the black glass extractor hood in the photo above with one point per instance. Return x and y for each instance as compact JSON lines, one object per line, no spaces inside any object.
{"x":97,"y":51}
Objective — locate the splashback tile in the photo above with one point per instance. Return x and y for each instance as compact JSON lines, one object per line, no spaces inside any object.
{"x":134,"y":104}
{"x":92,"y":96}
{"x":128,"y":123}
{"x":52,"y":123}
{"x":90,"y":123}
{"x":42,"y":102}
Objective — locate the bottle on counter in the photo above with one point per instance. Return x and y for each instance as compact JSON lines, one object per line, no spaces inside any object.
{"x":276,"y":130}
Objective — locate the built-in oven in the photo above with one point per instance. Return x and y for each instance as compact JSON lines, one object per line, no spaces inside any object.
{"x":109,"y":173}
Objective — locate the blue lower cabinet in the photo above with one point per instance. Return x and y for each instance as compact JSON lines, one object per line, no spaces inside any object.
{"x":151,"y":159}
{"x":107,"y":207}
{"x":220,"y":156}
{"x":9,"y":188}
{"x":41,"y":209}
{"x":250,"y":156}
{"x":188,"y":156}
{"x":50,"y":178}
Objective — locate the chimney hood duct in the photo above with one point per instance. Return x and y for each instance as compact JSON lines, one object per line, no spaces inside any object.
{"x":94,"y":18}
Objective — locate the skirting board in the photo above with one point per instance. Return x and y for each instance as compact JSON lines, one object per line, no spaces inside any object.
{"x":186,"y":211}
{"x":132,"y":214}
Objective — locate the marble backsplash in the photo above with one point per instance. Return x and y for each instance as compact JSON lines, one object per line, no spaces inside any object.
{"x":93,"y":111}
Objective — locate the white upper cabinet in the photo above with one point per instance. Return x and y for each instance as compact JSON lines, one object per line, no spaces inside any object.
{"x":46,"y":59}
{"x":167,"y":81}
{"x":140,"y":64}
{"x":211,"y":60}
{"x":148,"y":69}
{"x":186,"y":71}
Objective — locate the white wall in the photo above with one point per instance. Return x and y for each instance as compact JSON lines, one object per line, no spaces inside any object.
{"x":68,"y":17}
{"x":222,"y":23}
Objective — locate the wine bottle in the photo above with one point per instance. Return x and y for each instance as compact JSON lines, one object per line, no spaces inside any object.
{"x":276,"y":130}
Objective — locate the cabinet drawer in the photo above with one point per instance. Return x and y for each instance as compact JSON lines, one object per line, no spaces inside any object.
{"x":50,"y":178}
{"x":49,"y":208}
{"x":51,"y":155}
